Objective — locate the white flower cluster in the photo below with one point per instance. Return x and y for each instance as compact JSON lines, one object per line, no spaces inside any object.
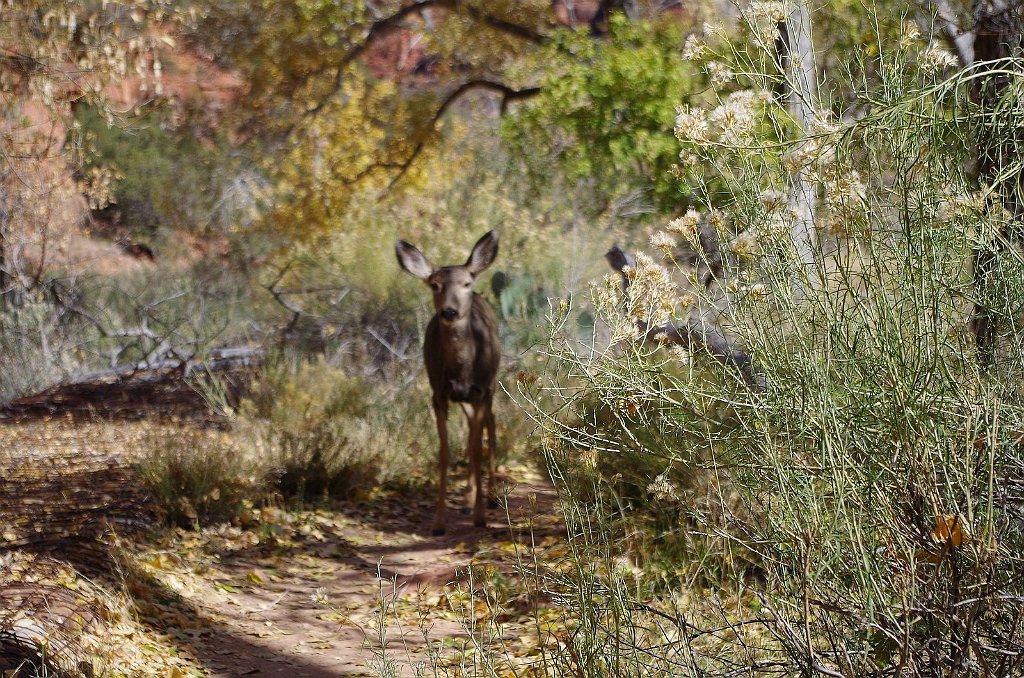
{"x":720,"y":74}
{"x":731,"y":123}
{"x":662,"y":488}
{"x":653,"y":295}
{"x":763,"y":17}
{"x":935,"y":59}
{"x":736,"y":117}
{"x":691,"y":124}
{"x":694,"y":49}
{"x":660,"y":240}
{"x":845,"y":196}
{"x":687,"y":226}
{"x":745,"y":245}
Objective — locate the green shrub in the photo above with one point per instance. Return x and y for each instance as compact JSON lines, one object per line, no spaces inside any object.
{"x":200,"y":476}
{"x":869,"y":473}
{"x":325,"y":433}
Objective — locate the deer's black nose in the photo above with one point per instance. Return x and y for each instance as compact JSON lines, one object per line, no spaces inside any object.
{"x":449,"y":314}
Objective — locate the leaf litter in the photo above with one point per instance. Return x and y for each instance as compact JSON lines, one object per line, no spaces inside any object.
{"x":174,"y":599}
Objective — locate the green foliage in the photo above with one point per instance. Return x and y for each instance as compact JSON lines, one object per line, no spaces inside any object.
{"x":605,"y":110}
{"x":199,"y":476}
{"x":322,"y":433}
{"x":869,"y":479}
{"x":165,"y":181}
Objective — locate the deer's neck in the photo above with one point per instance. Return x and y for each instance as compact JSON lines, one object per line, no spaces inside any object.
{"x":457,"y":346}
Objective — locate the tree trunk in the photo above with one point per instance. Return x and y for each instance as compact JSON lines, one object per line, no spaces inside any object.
{"x":997,"y":36}
{"x":797,"y":57}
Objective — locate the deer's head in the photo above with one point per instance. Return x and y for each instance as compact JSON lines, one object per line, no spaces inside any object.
{"x":452,"y":286}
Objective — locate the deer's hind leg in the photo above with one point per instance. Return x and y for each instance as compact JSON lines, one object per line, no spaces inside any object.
{"x":441,"y":416}
{"x":492,"y":449}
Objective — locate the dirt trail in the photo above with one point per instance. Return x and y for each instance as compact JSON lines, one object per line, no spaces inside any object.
{"x":361,"y":561}
{"x":303,"y":593}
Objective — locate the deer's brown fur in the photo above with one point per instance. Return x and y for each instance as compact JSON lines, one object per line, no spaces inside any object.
{"x":462,"y":351}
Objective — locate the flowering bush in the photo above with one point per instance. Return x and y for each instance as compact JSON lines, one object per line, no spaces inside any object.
{"x":859,"y":490}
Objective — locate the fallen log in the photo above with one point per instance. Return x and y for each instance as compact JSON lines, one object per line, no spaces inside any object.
{"x":136,"y":391}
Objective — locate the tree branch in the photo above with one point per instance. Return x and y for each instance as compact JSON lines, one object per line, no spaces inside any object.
{"x":508,"y":94}
{"x":385,"y":25}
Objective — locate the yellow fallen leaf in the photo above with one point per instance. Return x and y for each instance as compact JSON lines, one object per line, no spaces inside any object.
{"x":950,"y":529}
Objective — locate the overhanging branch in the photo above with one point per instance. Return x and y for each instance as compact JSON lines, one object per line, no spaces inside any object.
{"x":381,"y":27}
{"x":508,"y":94}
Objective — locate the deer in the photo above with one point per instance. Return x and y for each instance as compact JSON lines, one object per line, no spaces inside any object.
{"x":461,"y":351}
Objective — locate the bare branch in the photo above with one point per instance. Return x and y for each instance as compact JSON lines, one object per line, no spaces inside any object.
{"x":508,"y":94}
{"x":695,"y":333}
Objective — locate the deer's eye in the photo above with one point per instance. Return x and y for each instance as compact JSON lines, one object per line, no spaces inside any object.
{"x":435,"y":286}
{"x":467,"y":284}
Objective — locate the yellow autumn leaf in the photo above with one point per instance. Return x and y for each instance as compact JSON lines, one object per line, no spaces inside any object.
{"x":950,"y":529}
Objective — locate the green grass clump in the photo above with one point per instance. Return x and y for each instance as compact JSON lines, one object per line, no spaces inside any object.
{"x":200,"y":476}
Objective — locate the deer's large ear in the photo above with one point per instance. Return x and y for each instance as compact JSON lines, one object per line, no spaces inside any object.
{"x":484,"y":252}
{"x":413,"y":261}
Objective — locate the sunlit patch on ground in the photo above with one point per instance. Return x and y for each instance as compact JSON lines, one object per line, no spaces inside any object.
{"x":323,"y":590}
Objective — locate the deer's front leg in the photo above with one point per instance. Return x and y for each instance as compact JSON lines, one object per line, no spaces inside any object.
{"x":441,"y":416}
{"x":477,"y":416}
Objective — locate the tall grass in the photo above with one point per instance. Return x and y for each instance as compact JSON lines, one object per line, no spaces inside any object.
{"x":859,"y":505}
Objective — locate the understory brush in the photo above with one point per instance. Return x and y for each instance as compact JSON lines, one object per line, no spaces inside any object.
{"x":197,"y":475}
{"x":322,"y":432}
{"x":794,"y":447}
{"x":846,"y":468}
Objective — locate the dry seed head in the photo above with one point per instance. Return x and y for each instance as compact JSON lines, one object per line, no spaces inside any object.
{"x":653,"y":295}
{"x":319,"y":597}
{"x":660,"y":240}
{"x":716,"y":29}
{"x":687,"y":226}
{"x":718,"y":220}
{"x":936,"y":59}
{"x":662,"y":488}
{"x":911,"y":31}
{"x":687,"y":161}
{"x":719,"y":73}
{"x":821,"y":125}
{"x":735,"y":118}
{"x":772,"y":199}
{"x":745,"y":245}
{"x":694,"y":48}
{"x":764,"y":18}
{"x":691,"y":125}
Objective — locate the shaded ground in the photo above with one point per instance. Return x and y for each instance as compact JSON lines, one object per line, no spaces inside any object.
{"x":351,"y":589}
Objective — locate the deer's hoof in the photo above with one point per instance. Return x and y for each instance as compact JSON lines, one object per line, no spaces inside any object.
{"x":438,"y":531}
{"x":465,"y":510}
{"x":492,"y":503}
{"x":479,"y":522}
